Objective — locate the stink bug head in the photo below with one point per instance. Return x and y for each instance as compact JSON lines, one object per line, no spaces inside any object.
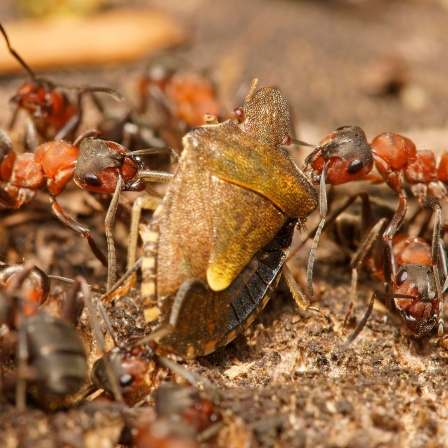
{"x":265,"y":116}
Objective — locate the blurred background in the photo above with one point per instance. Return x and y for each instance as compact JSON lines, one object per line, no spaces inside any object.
{"x":381,"y":64}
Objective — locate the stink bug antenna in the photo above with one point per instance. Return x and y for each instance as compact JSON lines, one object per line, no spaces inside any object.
{"x":16,"y":55}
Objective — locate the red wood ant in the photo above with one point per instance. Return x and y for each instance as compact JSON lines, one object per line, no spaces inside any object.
{"x":175,"y":100}
{"x":133,"y":368}
{"x":182,"y":417}
{"x":54,"y":114}
{"x":345,"y":156}
{"x":49,"y":352}
{"x":413,"y":278}
{"x":95,"y":164}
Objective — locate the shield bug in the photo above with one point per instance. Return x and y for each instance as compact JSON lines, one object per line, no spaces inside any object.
{"x":215,"y":248}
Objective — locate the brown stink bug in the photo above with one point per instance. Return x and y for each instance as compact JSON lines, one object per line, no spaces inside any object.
{"x":215,"y":248}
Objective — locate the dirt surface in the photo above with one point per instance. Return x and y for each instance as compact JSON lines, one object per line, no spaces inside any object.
{"x":286,"y":381}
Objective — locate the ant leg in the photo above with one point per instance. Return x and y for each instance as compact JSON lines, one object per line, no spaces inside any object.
{"x":74,"y":225}
{"x":22,"y":359}
{"x":113,"y":381}
{"x":437,"y":255}
{"x":108,"y":223}
{"x":193,"y":378}
{"x":323,"y":208}
{"x":297,"y":293}
{"x":118,"y":288}
{"x":69,"y":128}
{"x":73,"y":305}
{"x":300,"y":298}
{"x":129,"y":278}
{"x":361,"y":254}
{"x":366,"y":215}
{"x":390,"y":266}
{"x":31,"y":138}
{"x":13,"y":119}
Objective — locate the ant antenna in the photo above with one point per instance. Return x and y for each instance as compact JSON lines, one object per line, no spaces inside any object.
{"x":296,"y":142}
{"x":16,"y":55}
{"x":361,"y":325}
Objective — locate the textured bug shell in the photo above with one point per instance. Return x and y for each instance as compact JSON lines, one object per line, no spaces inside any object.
{"x":226,"y":221}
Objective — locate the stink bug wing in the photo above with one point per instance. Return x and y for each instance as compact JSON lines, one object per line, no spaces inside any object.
{"x":239,"y":230}
{"x":185,"y":228}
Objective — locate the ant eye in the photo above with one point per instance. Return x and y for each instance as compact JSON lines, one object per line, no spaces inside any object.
{"x":126,"y":380}
{"x":239,"y":112}
{"x":92,"y":179}
{"x":355,"y":166}
{"x":401,"y":277}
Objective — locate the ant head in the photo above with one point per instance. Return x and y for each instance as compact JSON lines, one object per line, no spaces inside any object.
{"x":346,"y":153}
{"x":265,"y":116}
{"x":35,"y":98}
{"x":130,"y":366}
{"x":186,"y":403}
{"x":416,"y":299}
{"x":33,"y":283}
{"x":100,"y":163}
